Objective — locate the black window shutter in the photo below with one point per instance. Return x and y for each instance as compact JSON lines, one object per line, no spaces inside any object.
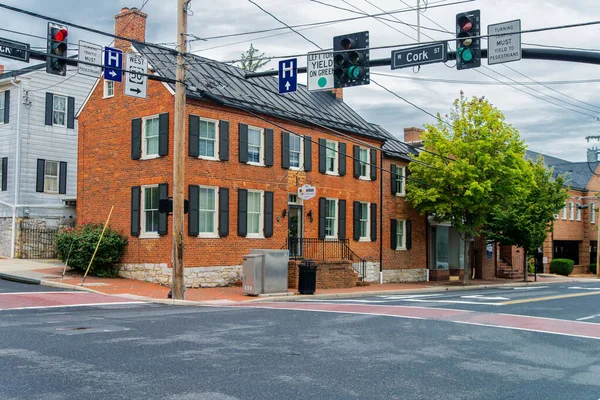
{"x":268,"y":228}
{"x":194,"y":134}
{"x":285,"y":150}
{"x":242,"y":212}
{"x":322,"y":218}
{"x":62,"y":178}
{"x":49,"y":108}
{"x":163,"y":134}
{"x":41,"y":171}
{"x":224,"y":141}
{"x":269,"y":148}
{"x":394,"y":181}
{"x":405,"y":180}
{"x":342,"y":219}
{"x":163,"y":193}
{"x":356,"y":220}
{"x":194,"y":210}
{"x":136,"y":138}
{"x":307,"y":153}
{"x":356,"y":155}
{"x":393,"y":236}
{"x":223,"y":212}
{"x":342,"y":159}
{"x":243,"y":143}
{"x":4,"y":173}
{"x":408,"y":233}
{"x":135,"y":211}
{"x":6,"y":107}
{"x":70,"y":112}
{"x":322,"y":153}
{"x":373,"y":222}
{"x":373,"y":164}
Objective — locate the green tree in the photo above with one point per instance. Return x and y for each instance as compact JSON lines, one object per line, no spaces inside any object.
{"x":472,"y":164}
{"x":251,"y":60}
{"x":526,"y":222}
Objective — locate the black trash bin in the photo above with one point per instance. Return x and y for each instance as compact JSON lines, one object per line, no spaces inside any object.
{"x":307,"y":277}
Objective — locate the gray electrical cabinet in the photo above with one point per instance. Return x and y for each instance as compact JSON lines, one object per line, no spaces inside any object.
{"x":252,"y":274}
{"x":265,"y":271}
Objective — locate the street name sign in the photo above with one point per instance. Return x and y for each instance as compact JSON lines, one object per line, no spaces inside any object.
{"x":504,"y":48}
{"x":319,"y":69}
{"x":429,"y":54}
{"x":113,"y":64}
{"x":307,"y":192}
{"x":14,"y":50}
{"x":288,"y":75}
{"x":136,"y":81}
{"x":91,"y":53}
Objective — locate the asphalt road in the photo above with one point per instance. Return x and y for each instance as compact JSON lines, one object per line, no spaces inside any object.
{"x":148,"y":351}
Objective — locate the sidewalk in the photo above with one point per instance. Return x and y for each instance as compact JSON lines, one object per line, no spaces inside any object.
{"x":49,"y":273}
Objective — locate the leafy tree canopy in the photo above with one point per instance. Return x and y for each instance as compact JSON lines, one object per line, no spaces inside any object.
{"x":251,"y":60}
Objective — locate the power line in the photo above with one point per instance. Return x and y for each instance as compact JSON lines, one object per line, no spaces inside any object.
{"x":496,"y":83}
{"x":559,"y":47}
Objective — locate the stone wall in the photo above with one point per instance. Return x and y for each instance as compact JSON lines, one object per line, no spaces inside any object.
{"x":194,"y":277}
{"x":330,"y":274}
{"x":5,"y":236}
{"x":404,"y":275}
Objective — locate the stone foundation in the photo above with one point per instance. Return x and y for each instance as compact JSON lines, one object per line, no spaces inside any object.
{"x":330,"y":274}
{"x":5,"y":236}
{"x":404,"y":275}
{"x":194,"y":277}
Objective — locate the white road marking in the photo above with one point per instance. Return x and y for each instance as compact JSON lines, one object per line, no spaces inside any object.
{"x":410,"y":296}
{"x":584,"y":288}
{"x":530,"y":287}
{"x":72,"y":305}
{"x":482,"y":297}
{"x":29,"y":293}
{"x":590,"y":317}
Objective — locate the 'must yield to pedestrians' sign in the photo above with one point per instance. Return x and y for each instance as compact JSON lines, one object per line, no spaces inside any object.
{"x":319,"y":69}
{"x":113,"y":64}
{"x":505,"y":48}
{"x":429,"y":54}
{"x":288,"y":76}
{"x":136,"y":81}
{"x":91,"y":53}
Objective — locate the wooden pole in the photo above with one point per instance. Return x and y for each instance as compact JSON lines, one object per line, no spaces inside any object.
{"x":97,"y":245}
{"x":67,"y":262}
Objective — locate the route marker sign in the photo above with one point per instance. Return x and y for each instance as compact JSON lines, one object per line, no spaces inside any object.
{"x":504,"y":48}
{"x":319,"y":69}
{"x":429,"y":54}
{"x":91,"y":53}
{"x":136,"y":82}
{"x":288,"y":75}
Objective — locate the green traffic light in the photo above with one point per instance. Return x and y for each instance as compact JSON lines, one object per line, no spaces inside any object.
{"x":355,"y":72}
{"x":466,"y":54}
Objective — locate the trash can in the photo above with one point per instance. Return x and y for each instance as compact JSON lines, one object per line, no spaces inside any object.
{"x":307,"y":277}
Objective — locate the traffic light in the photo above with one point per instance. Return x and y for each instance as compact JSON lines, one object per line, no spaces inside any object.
{"x":468,"y":50}
{"x":351,"y":60}
{"x":57,"y":46}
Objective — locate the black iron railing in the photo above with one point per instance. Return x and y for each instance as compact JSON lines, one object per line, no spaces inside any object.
{"x":38,"y":243}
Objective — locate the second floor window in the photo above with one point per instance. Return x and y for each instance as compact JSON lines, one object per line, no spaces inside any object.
{"x":59,"y":110}
{"x":571,"y":211}
{"x":364,"y":163}
{"x":593,"y":212}
{"x":295,"y":151}
{"x":150,"y":137}
{"x":51,"y":177}
{"x":208,"y":139}
{"x":109,"y":89}
{"x":331,"y":157}
{"x":255,"y":149}
{"x":2,"y":106}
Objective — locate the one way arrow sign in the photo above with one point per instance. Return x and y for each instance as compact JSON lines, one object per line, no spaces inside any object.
{"x":288,"y":75}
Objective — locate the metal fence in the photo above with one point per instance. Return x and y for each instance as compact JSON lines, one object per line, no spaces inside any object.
{"x":37,"y":243}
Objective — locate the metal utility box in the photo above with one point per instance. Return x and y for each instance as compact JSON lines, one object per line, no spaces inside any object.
{"x":275,"y":270}
{"x":253,"y":271}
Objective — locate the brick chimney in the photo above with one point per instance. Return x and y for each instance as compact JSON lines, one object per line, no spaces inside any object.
{"x":1,"y":69}
{"x":130,"y":23}
{"x":412,"y":135}
{"x":338,"y":93}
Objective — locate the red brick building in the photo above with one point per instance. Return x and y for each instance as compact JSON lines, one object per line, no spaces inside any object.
{"x":249,"y":150}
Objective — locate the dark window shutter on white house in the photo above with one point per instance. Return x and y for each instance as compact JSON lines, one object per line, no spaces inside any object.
{"x":223,"y":212}
{"x":269,"y":148}
{"x":408,"y":235}
{"x":356,"y":220}
{"x":163,"y":193}
{"x":136,"y":138}
{"x":163,"y":134}
{"x":194,"y":136}
{"x":194,"y":210}
{"x":62,"y":178}
{"x":242,"y":212}
{"x":135,"y":211}
{"x":373,"y":164}
{"x":373,"y":222}
{"x":285,"y":150}
{"x":4,"y":173}
{"x":70,"y":112}
{"x":243,"y":143}
{"x":39,"y":179}
{"x":322,"y":155}
{"x":393,"y":235}
{"x":342,"y":159}
{"x":6,"y":107}
{"x":268,"y":228}
{"x":394,"y":179}
{"x":307,"y":153}
{"x":322,"y":217}
{"x":356,"y":163}
{"x":49,"y":108}
{"x":342,"y":219}
{"x":224,"y":140}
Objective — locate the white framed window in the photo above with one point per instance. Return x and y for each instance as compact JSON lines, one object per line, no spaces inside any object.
{"x":331,"y":218}
{"x":571,"y":211}
{"x":150,"y":137}
{"x":149,"y":220}
{"x":564,"y":212}
{"x":400,"y":181}
{"x":364,"y":156}
{"x":255,"y":214}
{"x":59,"y":111}
{"x":208,"y":139}
{"x":256,"y":148}
{"x":593,"y":213}
{"x":364,"y":226}
{"x":400,"y":234}
{"x":207,"y":210}
{"x":578,"y":212}
{"x":2,"y":106}
{"x":331,"y":157}
{"x":51,"y":176}
{"x":294,"y":199}
{"x":295,"y":151}
{"x":109,"y":89}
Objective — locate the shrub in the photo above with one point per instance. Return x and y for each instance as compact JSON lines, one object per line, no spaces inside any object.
{"x":593,"y":268}
{"x":561,"y":266}
{"x":81,"y":242}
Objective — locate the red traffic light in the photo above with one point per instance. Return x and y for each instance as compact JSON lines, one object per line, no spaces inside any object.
{"x":465,"y":24}
{"x":347,"y":43}
{"x":60,"y":35}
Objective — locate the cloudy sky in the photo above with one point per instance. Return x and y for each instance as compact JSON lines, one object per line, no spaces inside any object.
{"x":553,"y":122}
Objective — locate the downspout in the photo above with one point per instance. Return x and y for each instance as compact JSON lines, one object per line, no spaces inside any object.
{"x":381,"y":220}
{"x":13,"y":238}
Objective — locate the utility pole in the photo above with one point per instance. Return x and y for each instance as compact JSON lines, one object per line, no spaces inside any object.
{"x":178,"y":153}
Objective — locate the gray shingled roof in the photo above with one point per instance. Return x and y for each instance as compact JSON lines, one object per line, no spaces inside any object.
{"x":261,"y":95}
{"x":578,"y":174}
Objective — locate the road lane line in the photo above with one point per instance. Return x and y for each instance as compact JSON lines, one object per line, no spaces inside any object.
{"x":71,"y":305}
{"x":562,"y":296}
{"x":590,"y":317}
{"x":54,"y":292}
{"x":530,"y":287}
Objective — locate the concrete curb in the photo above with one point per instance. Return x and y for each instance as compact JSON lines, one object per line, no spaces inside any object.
{"x":19,"y":279}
